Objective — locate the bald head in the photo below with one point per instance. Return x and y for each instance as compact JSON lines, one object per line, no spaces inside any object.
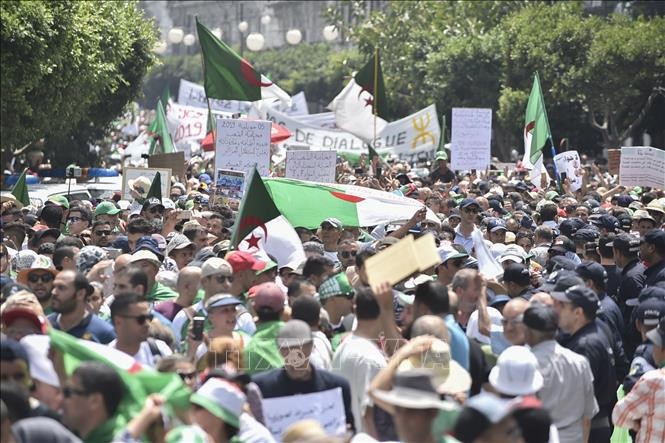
{"x":430,"y":325}
{"x":513,"y":328}
{"x":542,"y":297}
{"x":121,"y":262}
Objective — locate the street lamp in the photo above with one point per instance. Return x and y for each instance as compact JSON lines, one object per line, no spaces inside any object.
{"x":265,"y":20}
{"x":176,"y":35}
{"x":330,"y":33}
{"x":293,"y":36}
{"x":217,"y":32}
{"x":255,"y":41}
{"x":189,"y":40}
{"x":243,"y":26}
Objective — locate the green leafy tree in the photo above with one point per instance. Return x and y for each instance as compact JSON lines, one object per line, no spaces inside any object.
{"x":68,"y":69}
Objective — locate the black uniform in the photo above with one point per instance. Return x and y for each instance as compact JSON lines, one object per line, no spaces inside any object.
{"x":655,"y":273}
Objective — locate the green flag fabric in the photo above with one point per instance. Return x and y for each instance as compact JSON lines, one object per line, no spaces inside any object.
{"x":159,"y":131}
{"x":139,"y":381}
{"x":20,"y":190}
{"x":227,"y":76}
{"x":155,"y":187}
{"x":260,"y":226}
{"x":536,"y":127}
{"x":365,"y":78}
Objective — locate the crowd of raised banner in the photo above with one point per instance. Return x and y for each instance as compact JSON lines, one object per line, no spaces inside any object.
{"x":539,"y":319}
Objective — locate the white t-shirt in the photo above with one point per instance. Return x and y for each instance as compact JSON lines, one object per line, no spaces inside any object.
{"x":358,"y":360}
{"x":321,"y":351}
{"x":144,"y":356}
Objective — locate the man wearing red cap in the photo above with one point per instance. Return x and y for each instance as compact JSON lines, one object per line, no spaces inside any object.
{"x":262,"y":352}
{"x":245,"y":267}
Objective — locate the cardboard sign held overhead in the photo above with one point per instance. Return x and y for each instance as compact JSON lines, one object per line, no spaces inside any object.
{"x":642,"y":166}
{"x":613,"y":160}
{"x":402,"y":259}
{"x":174,"y":161}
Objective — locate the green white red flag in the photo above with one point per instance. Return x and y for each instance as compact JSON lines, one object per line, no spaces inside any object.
{"x":536,"y":132}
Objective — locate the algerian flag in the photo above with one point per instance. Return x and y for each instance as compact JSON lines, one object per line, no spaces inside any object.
{"x":139,"y":380}
{"x":260,"y":227}
{"x":536,"y":132}
{"x":227,"y":76}
{"x":159,"y":130}
{"x":360,"y":101}
{"x":20,"y":190}
{"x":307,"y":204}
{"x":139,"y":146}
{"x":155,"y":187}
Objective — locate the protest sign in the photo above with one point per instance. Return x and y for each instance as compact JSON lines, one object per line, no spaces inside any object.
{"x":326,"y":407}
{"x":427,"y":253}
{"x":471,"y":138}
{"x":613,"y":160}
{"x":393,"y":264}
{"x":191,"y":94}
{"x":242,"y":144}
{"x":642,"y":166}
{"x":175,"y":161}
{"x":131,"y":176}
{"x":316,"y":166}
{"x":412,"y":138}
{"x":569,"y":163}
{"x":229,"y":184}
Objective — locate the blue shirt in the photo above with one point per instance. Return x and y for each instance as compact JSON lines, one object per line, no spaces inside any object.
{"x":459,"y":344}
{"x":90,"y":328}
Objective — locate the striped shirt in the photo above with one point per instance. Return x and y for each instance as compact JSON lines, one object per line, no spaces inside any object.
{"x":644,"y":406}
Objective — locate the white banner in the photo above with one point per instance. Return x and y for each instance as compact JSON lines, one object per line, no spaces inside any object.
{"x":471,"y":138}
{"x":315,"y":166}
{"x":569,"y":163}
{"x":642,"y":166}
{"x":243,"y":144}
{"x":412,"y":138}
{"x":298,"y":106}
{"x":191,"y":94}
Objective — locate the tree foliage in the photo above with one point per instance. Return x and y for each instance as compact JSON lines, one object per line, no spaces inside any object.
{"x":68,"y":69}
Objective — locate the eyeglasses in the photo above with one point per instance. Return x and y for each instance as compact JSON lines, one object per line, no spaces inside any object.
{"x":69,"y":391}
{"x":74,"y":219}
{"x":140,"y":319}
{"x":347,"y":254}
{"x":224,"y":278}
{"x":103,"y":233}
{"x":187,"y":375}
{"x":45,"y":277}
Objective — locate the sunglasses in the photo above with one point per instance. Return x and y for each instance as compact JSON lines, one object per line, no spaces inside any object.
{"x":224,"y":278}
{"x":103,"y":233}
{"x":347,"y":254}
{"x":471,"y":210}
{"x":140,"y":319}
{"x":186,"y":375}
{"x":46,"y":278}
{"x":68,"y":392}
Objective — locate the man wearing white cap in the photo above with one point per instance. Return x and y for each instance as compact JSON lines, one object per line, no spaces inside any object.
{"x":451,"y":262}
{"x":150,"y":264}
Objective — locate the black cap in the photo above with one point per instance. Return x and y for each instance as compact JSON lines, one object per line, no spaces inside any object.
{"x":561,"y":280}
{"x":650,"y":312}
{"x":625,"y":220}
{"x":608,"y":222}
{"x":656,"y":237}
{"x":540,"y":317}
{"x":655,"y":292}
{"x":152,"y":202}
{"x":562,"y":263}
{"x":563,"y":244}
{"x":581,"y":296}
{"x":517,"y":273}
{"x":590,"y":270}
{"x":497,"y":206}
{"x":586,"y":235}
{"x":469,"y":202}
{"x":625,"y":243}
{"x":570,"y":226}
{"x":495,"y":224}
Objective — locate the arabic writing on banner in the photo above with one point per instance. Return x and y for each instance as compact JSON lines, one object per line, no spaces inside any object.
{"x":241,"y":144}
{"x":326,"y":407}
{"x":642,"y":166}
{"x":471,"y":138}
{"x":569,"y":162}
{"x":191,"y":94}
{"x":413,"y":138}
{"x":316,"y":166}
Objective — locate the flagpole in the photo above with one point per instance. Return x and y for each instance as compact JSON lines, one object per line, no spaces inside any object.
{"x":210,"y":116}
{"x":376,"y":96}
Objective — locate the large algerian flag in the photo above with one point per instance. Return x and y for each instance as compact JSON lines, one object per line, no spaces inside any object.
{"x":536,"y":132}
{"x":361,"y":101}
{"x":159,"y":131}
{"x":260,"y":227}
{"x":227,"y":76}
{"x":20,"y":190}
{"x":139,"y":380}
{"x":307,"y":204}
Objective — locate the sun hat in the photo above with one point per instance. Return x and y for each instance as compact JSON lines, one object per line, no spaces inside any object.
{"x":38,"y":262}
{"x":448,"y":376}
{"x":336,"y":286}
{"x":144,"y":254}
{"x":215,"y":265}
{"x":222,"y":399}
{"x":141,"y":185}
{"x":107,"y":208}
{"x":413,"y":389}
{"x":516,"y":372}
